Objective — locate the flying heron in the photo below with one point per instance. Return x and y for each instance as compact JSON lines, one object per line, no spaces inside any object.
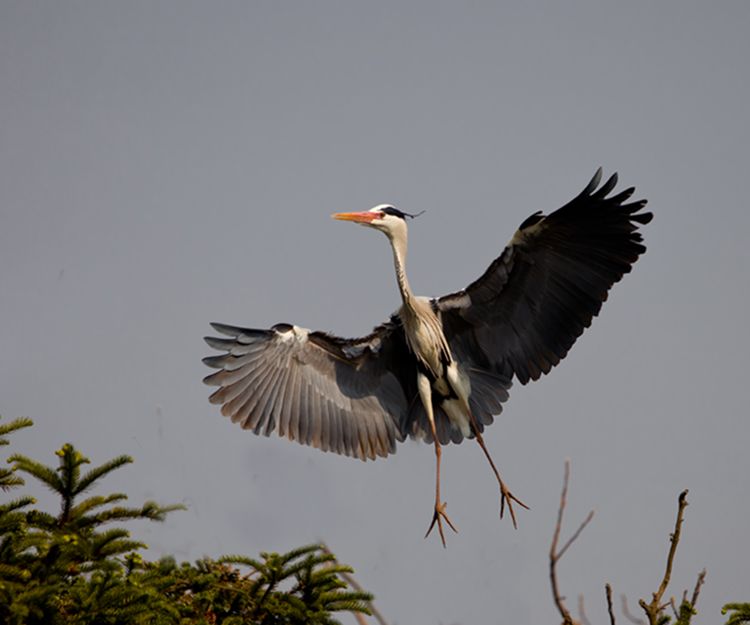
{"x":439,"y":368}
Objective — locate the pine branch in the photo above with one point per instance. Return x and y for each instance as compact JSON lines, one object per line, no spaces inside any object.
{"x":70,"y":471}
{"x":112,"y":542}
{"x":739,"y":613}
{"x":41,"y":520}
{"x":91,"y":503}
{"x":8,"y":480}
{"x":307,"y":564}
{"x":16,"y":424}
{"x":15,"y":505}
{"x":150,"y":511}
{"x":242,"y":560}
{"x":42,"y":473}
{"x":293,"y":554}
{"x":97,"y":473}
{"x":9,"y":572}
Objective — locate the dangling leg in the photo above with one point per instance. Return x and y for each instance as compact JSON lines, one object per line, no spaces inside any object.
{"x":462,"y":387}
{"x":425,"y":394}
{"x":440,"y":512}
{"x":505,"y":494}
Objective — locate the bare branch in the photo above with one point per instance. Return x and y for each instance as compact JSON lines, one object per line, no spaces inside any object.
{"x":608,"y":591}
{"x":697,"y":589}
{"x":582,"y":612}
{"x":674,"y":540}
{"x":555,"y":555}
{"x":654,"y":608}
{"x":361,"y":620}
{"x":628,"y":614}
{"x":674,"y":605}
{"x":575,"y":535}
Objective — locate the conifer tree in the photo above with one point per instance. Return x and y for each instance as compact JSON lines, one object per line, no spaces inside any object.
{"x":67,"y":567}
{"x":12,"y":518}
{"x":74,"y":567}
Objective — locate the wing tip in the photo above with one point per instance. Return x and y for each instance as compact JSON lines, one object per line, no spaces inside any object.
{"x":210,"y":380}
{"x":594,"y":182}
{"x":226,"y":329}
{"x":596,"y":189}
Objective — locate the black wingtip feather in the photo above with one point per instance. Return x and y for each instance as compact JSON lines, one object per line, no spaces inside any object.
{"x":642,"y":218}
{"x":591,"y":186}
{"x":622,"y":196}
{"x":602,"y":192}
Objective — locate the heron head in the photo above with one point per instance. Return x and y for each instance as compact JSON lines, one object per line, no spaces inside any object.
{"x":383,"y":217}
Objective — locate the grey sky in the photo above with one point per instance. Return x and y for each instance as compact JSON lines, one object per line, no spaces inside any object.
{"x":163,"y":165}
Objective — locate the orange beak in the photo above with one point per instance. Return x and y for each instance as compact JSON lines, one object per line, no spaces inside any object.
{"x":362,"y":218}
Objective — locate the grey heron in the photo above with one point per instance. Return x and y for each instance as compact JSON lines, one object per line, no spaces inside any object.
{"x":439,"y":368}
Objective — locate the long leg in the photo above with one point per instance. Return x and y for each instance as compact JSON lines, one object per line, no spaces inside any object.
{"x":425,"y":394}
{"x":461,"y":387}
{"x":505,"y":494}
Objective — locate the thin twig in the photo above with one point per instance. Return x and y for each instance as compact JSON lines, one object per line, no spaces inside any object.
{"x":349,"y":579}
{"x":608,"y":591}
{"x":582,"y":612}
{"x":654,"y":608}
{"x":555,"y":555}
{"x":581,"y":527}
{"x":361,"y":620}
{"x":674,"y":540}
{"x":628,"y":615}
{"x":697,"y":589}
{"x":674,"y":605}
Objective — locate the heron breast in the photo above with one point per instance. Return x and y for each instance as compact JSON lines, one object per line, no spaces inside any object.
{"x":428,"y":344}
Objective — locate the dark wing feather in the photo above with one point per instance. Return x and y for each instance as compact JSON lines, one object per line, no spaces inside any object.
{"x":524,"y":314}
{"x":348,"y":396}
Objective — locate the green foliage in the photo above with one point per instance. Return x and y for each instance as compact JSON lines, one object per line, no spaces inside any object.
{"x":73,"y":567}
{"x":316,"y":586}
{"x":685,"y":613}
{"x":739,"y":613}
{"x":77,"y":567}
{"x":8,"y":479}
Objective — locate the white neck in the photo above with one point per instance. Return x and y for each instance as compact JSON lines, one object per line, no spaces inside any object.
{"x":398,"y":244}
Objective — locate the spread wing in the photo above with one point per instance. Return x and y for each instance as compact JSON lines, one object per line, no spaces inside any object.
{"x":524,"y":314}
{"x":347,"y":396}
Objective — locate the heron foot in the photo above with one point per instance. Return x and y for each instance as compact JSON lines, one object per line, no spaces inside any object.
{"x":506,"y":495}
{"x":437,"y":518}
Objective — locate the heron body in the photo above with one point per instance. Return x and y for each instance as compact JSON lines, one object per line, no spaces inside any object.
{"x":439,"y":369}
{"x":438,"y":376}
